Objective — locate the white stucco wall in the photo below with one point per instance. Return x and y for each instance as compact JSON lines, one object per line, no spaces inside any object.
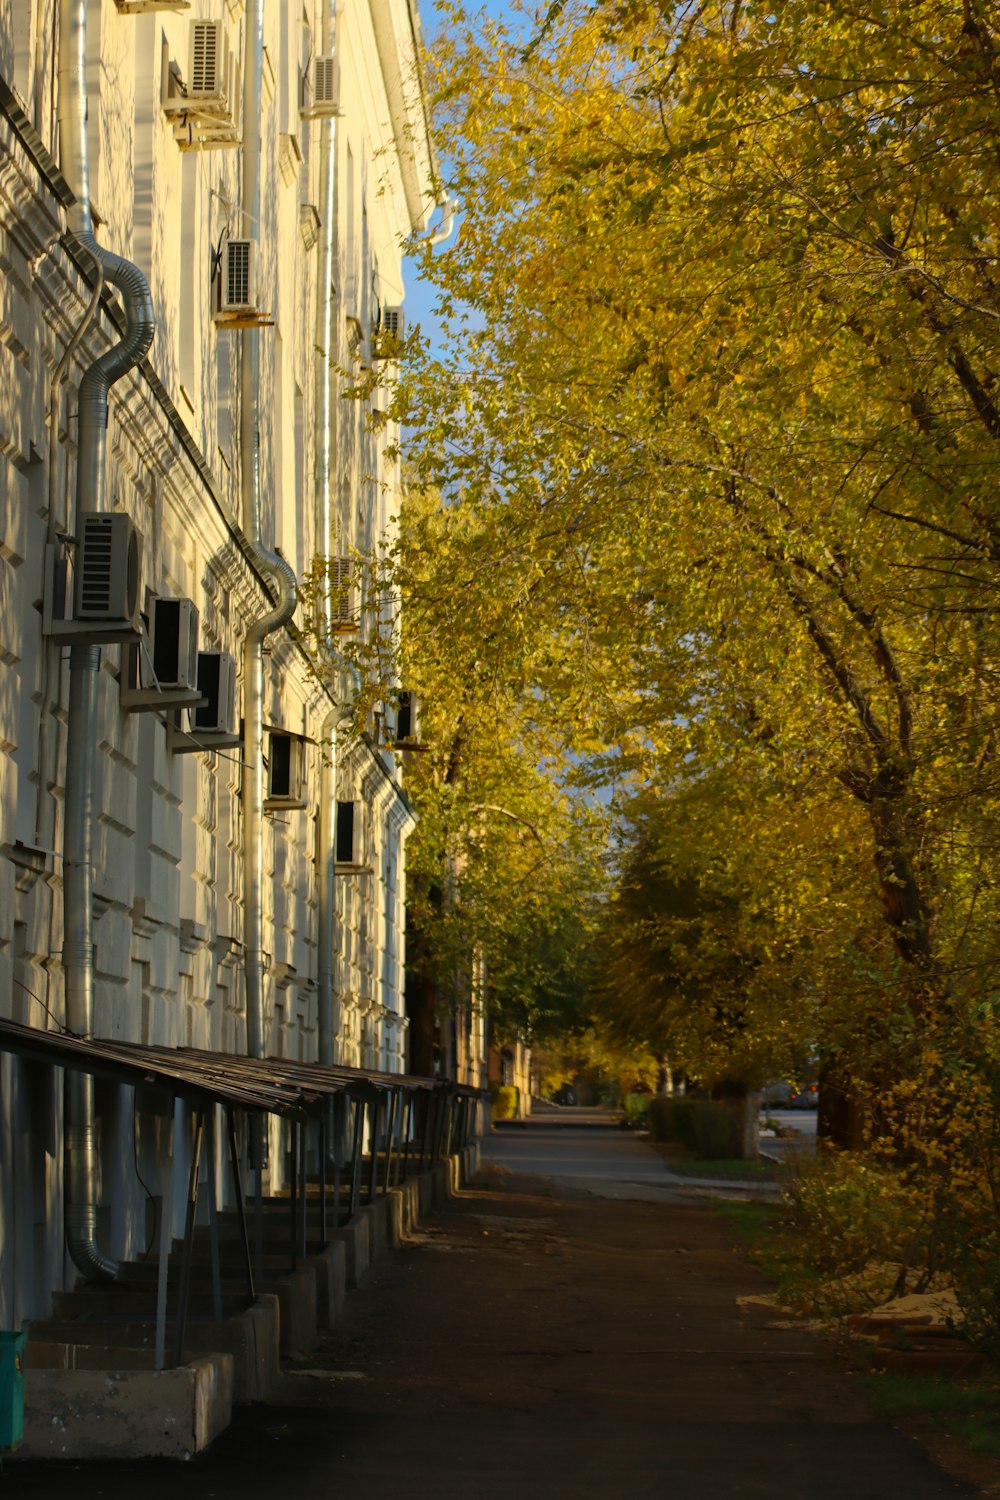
{"x":168,"y":835}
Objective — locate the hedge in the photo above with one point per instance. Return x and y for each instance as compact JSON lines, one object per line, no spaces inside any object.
{"x":708,"y":1129}
{"x":505,"y":1101}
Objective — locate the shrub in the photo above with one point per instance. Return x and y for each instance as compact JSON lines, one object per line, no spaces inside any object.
{"x":636,"y":1107}
{"x":706,"y":1128}
{"x":505,"y":1101}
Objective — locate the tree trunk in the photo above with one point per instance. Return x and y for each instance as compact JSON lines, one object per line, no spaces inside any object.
{"x":840,"y":1121}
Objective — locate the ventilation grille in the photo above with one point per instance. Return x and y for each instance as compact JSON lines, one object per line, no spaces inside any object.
{"x":204,"y":57}
{"x":325,"y":81}
{"x":393,"y":322}
{"x":341,"y":579}
{"x":108,"y":568}
{"x":98,"y":566}
{"x":237,"y":273}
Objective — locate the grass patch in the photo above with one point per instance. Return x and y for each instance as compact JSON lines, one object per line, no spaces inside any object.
{"x":680,"y":1160}
{"x":967,"y":1411}
{"x":753,"y":1224}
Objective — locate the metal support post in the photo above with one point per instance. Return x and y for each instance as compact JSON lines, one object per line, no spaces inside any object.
{"x":373,"y":1134}
{"x":241,"y":1208}
{"x":213,"y":1215}
{"x":389,"y":1136}
{"x":321,"y":1130}
{"x":360,"y":1107}
{"x":339,"y":1129}
{"x":407,"y":1130}
{"x":293,"y":1196}
{"x":303,"y":1130}
{"x":180,"y":1314}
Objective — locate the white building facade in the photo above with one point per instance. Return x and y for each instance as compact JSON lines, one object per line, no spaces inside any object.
{"x":302,"y":286}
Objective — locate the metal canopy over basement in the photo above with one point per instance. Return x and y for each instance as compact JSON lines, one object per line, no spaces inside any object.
{"x":302,"y":1093}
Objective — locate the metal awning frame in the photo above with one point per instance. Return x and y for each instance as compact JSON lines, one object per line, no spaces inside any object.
{"x":304,"y":1094}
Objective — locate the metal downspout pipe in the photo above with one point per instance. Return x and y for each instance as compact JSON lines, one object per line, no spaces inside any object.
{"x":275,"y":569}
{"x":326,"y":355}
{"x":325,"y":997}
{"x":85,"y":660}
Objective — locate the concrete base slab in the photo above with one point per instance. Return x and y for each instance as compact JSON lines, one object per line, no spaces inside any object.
{"x":354,"y":1238}
{"x":80,"y":1414}
{"x":330,"y":1270}
{"x":296,"y":1294}
{"x":377,"y":1215}
{"x":252,"y":1338}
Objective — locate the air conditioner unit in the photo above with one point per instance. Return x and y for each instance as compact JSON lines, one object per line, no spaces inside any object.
{"x":217,"y":684}
{"x":325,"y":88}
{"x":407,"y":718}
{"x":213,"y":714}
{"x":392,"y":322}
{"x":208,"y":63}
{"x":347,"y":850}
{"x":161,"y":671}
{"x":344,"y":850}
{"x":286,"y":770}
{"x":387,"y":336}
{"x":340,"y":595}
{"x":108,"y":575}
{"x":171,"y":657}
{"x":237,"y":283}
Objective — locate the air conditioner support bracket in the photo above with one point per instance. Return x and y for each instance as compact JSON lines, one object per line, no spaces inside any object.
{"x":57,"y":593}
{"x":179,"y":742}
{"x":153,"y":700}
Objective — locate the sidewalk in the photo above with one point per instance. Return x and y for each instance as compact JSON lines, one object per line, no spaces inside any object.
{"x":541,"y":1342}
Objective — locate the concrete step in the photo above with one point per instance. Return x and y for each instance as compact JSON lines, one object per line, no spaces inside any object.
{"x":251,"y":1337}
{"x":121,"y":1301}
{"x":78,"y":1413}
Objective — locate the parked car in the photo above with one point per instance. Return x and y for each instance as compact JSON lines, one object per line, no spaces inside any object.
{"x":787,"y":1095}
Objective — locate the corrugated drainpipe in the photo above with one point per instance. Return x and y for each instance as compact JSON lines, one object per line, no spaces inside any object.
{"x":278,"y":573}
{"x":85,"y":661}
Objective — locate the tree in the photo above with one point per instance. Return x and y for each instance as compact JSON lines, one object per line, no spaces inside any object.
{"x":717,"y":433}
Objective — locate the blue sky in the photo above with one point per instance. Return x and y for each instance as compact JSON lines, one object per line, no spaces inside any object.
{"x":419,"y":297}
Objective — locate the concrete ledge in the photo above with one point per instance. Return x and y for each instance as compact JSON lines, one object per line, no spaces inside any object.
{"x":409,"y":1194}
{"x":252,"y":1338}
{"x":425,"y":1193}
{"x":296,"y":1294}
{"x":377,"y":1215}
{"x":127,"y":1413}
{"x":440,"y":1176}
{"x":330,"y":1269}
{"x":354,"y":1238}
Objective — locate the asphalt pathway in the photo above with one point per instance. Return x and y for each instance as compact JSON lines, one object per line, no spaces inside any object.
{"x":539,"y":1340}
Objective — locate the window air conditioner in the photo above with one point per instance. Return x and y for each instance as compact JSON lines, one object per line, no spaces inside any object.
{"x":285,"y":770}
{"x":237,"y":288}
{"x":325,"y":87}
{"x":393,"y":322}
{"x":387,"y":336}
{"x":171,"y":660}
{"x":340,"y":586}
{"x":208,"y":70}
{"x":108,"y":571}
{"x":344,"y":851}
{"x":217,"y":683}
{"x":406,"y":717}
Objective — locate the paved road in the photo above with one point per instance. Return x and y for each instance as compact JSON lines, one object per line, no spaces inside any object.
{"x":586,"y":1145}
{"x":576,"y":1144}
{"x":541,"y":1342}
